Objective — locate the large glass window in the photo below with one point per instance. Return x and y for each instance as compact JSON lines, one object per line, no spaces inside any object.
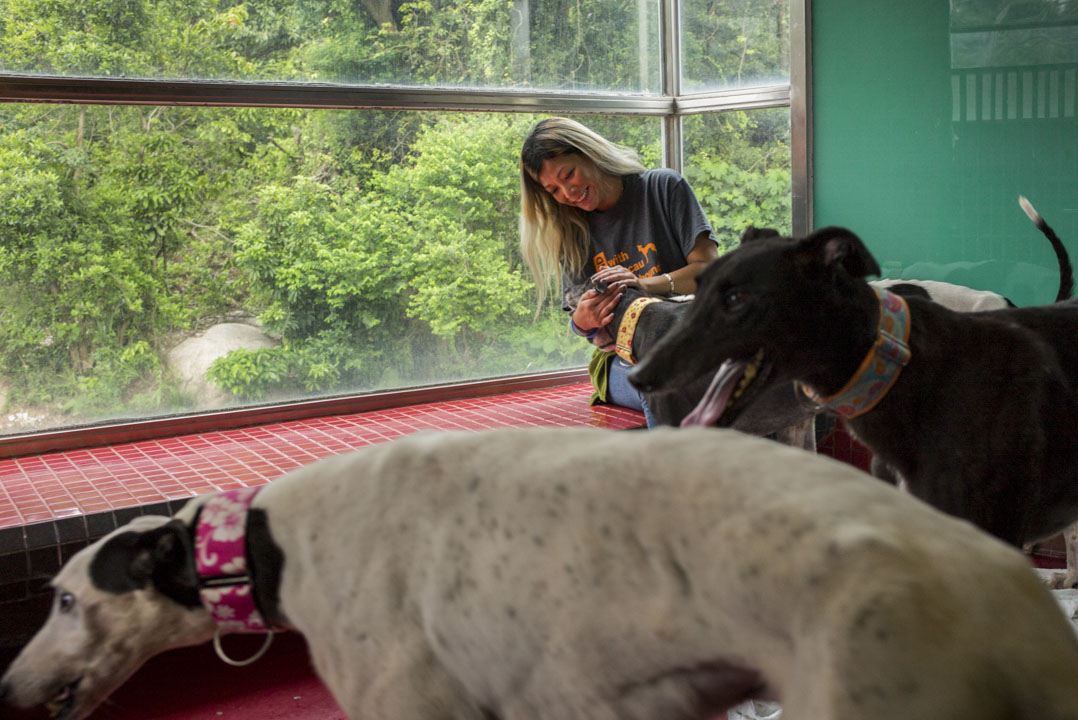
{"x":163,"y":259}
{"x":343,"y":251}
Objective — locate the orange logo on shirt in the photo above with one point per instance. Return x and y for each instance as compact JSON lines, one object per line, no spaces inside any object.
{"x":601,"y":260}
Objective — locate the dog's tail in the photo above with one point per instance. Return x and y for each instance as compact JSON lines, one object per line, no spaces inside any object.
{"x":1066,"y":273}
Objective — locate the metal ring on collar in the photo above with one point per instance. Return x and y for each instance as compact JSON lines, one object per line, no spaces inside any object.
{"x":240,"y":663}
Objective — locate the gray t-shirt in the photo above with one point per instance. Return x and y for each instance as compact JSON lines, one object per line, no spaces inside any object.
{"x":650,"y":230}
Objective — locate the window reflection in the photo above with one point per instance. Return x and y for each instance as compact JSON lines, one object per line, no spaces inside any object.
{"x":547,"y":44}
{"x":1015,"y":60}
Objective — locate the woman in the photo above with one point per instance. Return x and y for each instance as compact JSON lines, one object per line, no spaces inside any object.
{"x":590,"y":210}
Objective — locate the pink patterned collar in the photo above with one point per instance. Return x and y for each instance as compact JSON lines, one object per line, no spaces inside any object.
{"x":882,"y":364}
{"x":221,"y":562}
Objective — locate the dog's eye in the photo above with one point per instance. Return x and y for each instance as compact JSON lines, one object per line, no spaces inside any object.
{"x":733,"y":299}
{"x":65,"y":602}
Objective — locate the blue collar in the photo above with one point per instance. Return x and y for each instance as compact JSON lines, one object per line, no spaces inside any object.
{"x":881,"y":366}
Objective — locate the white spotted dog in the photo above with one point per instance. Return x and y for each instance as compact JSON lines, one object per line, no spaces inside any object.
{"x":497,"y":576}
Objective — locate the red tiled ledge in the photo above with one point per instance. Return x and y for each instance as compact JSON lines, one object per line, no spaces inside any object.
{"x":54,"y":504}
{"x":77,"y":483}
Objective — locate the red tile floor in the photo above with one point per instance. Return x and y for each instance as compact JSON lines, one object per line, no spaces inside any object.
{"x":59,"y":485}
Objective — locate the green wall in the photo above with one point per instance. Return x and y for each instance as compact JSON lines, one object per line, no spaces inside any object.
{"x":930,"y":119}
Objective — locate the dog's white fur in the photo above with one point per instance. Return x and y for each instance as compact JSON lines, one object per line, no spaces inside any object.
{"x":953,"y":297}
{"x":502,"y":575}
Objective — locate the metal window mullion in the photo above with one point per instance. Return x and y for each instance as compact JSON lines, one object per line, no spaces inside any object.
{"x":670,"y":18}
{"x":755,"y":98}
{"x":801,"y":116}
{"x":119,"y":91}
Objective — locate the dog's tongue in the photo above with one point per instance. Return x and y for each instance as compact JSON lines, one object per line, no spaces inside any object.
{"x":711,"y":405}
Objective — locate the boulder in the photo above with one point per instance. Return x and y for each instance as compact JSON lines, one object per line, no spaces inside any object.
{"x":190,"y":360}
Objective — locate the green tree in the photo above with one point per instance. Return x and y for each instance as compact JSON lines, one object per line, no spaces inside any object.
{"x":739,"y":166}
{"x":416,"y":279}
{"x":735,"y":43}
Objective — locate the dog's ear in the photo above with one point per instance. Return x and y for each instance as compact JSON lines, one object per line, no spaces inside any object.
{"x":754,"y":233}
{"x":163,"y":556}
{"x":837,"y":247}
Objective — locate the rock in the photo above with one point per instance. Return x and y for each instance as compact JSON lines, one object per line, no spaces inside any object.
{"x":192,"y":358}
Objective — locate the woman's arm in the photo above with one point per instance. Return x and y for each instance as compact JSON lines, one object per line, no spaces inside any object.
{"x":684,"y":278}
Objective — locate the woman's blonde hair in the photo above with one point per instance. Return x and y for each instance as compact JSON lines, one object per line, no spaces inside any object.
{"x":553,"y":236}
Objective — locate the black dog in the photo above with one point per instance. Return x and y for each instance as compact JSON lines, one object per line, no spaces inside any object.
{"x":976,"y":423}
{"x":782,"y":412}
{"x":779,"y":413}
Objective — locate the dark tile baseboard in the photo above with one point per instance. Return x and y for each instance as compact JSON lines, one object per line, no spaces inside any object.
{"x":32,"y":554}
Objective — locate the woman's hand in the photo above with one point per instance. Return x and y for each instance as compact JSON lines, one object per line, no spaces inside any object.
{"x":595,"y":309}
{"x":619,"y":276}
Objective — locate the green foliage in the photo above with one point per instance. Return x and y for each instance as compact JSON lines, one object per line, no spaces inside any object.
{"x":734,"y":197}
{"x":423,"y":266}
{"x":314,"y":365}
{"x":741,"y":175}
{"x":735,"y":43}
{"x":99,"y":248}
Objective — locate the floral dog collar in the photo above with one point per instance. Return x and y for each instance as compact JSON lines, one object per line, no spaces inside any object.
{"x":882,"y":364}
{"x":221,"y":562}
{"x":624,"y":343}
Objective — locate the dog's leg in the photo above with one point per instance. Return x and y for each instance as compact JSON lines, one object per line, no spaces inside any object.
{"x":885,"y":472}
{"x":802,"y":435}
{"x":408,"y":684}
{"x":1069,"y":579}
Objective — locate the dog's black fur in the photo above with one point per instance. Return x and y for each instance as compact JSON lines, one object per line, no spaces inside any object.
{"x":978,"y":422}
{"x":655,"y":321}
{"x":779,"y":412}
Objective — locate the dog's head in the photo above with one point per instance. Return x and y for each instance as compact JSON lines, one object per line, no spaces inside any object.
{"x":770,"y":311}
{"x":128,"y":596}
{"x":604,"y":339}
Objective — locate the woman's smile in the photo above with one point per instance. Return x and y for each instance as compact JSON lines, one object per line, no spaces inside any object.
{"x":572,"y":179}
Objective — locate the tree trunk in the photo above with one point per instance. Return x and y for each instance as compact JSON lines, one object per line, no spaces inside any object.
{"x":521,"y":41}
{"x":382,"y":10}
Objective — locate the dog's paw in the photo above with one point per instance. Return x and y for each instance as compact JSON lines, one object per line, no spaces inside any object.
{"x":1063,"y":581}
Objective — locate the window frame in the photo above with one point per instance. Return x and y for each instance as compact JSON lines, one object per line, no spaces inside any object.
{"x":670,"y":105}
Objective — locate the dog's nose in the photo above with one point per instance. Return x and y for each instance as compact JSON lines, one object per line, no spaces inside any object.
{"x":639,"y":380}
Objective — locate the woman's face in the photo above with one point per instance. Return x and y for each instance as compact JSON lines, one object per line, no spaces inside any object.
{"x":573,"y":179}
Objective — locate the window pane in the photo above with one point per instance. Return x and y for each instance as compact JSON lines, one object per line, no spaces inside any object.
{"x":343,"y":251}
{"x":739,"y":165}
{"x":543,"y":44}
{"x":734,"y":44}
